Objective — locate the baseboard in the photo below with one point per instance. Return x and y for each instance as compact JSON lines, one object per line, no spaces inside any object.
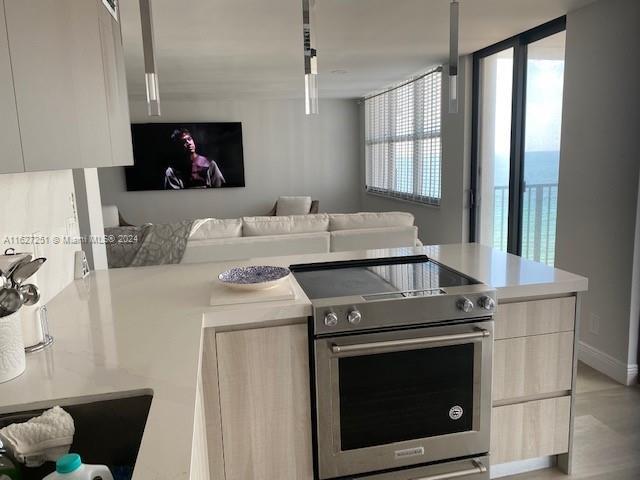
{"x":605,"y":363}
{"x":522,"y":466}
{"x":632,"y":374}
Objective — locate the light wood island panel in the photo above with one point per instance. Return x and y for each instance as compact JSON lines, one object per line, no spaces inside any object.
{"x":265,"y":405}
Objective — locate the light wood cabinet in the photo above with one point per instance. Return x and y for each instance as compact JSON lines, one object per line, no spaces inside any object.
{"x":535,"y":317}
{"x":534,"y":380}
{"x":70,"y":94}
{"x":9,"y":133}
{"x":264,"y":403}
{"x":535,"y":365}
{"x":530,"y":430}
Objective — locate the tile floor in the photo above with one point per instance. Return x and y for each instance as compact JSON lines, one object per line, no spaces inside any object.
{"x":607,"y":431}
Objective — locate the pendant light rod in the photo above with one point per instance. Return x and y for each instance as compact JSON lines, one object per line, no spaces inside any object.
{"x":150,"y":67}
{"x":453,"y":37}
{"x":454,"y":33}
{"x":310,"y":59}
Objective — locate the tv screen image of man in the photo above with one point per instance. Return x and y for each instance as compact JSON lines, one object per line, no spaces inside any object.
{"x":190,"y":169}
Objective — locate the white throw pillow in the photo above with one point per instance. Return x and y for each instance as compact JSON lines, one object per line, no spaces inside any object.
{"x":110,"y":216}
{"x":293,"y":206}
{"x":357,"y":221}
{"x":208,"y":228}
{"x":257,"y":226}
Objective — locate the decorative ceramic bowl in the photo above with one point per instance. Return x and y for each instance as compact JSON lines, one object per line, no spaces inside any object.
{"x":259,"y":277}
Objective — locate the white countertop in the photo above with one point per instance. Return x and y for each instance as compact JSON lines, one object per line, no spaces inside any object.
{"x":139,"y":329}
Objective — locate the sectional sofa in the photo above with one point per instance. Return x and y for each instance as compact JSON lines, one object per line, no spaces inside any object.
{"x":214,"y":239}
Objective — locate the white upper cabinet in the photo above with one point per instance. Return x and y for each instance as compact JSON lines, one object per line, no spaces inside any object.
{"x":11,"y":153}
{"x":68,"y":76}
{"x":116,"y":89}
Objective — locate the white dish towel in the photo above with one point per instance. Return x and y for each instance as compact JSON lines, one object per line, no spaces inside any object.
{"x":41,"y":439}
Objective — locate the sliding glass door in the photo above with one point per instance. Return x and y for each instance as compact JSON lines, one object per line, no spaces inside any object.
{"x":494,"y":133}
{"x":543,"y":118}
{"x":516,"y":134}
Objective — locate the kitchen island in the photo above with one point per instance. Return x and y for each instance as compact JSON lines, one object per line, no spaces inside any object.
{"x":230,"y":383}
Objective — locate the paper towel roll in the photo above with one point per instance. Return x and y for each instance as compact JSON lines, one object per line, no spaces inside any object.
{"x":31,"y":325}
{"x":12,"y":357}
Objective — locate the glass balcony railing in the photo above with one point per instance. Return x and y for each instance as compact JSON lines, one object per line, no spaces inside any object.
{"x":539,"y":213}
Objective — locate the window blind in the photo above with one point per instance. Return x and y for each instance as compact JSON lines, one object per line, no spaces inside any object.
{"x":402,"y":136}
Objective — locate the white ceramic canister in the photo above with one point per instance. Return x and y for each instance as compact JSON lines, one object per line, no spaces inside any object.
{"x":12,"y":356}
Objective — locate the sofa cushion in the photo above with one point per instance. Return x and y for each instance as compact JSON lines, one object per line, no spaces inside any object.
{"x":208,"y":228}
{"x":257,"y":226}
{"x":110,"y":216}
{"x":226,"y":249}
{"x":357,"y":221}
{"x":293,"y":206}
{"x":373,"y":238}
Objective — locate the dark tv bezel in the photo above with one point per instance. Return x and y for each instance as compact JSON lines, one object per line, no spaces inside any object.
{"x":128,"y":170}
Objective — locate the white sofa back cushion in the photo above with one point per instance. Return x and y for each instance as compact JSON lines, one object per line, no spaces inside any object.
{"x":227,"y":249}
{"x":209,"y":228}
{"x":373,"y":238}
{"x":258,"y":226}
{"x":293,"y":206}
{"x":358,"y":221}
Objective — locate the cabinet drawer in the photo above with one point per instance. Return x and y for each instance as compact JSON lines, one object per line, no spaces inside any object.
{"x":534,"y":365}
{"x":530,"y":430}
{"x":535,"y":317}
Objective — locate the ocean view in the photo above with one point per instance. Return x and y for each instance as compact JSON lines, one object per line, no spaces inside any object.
{"x":539,"y":209}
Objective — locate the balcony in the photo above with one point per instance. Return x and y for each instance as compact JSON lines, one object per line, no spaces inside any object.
{"x":539,"y":213}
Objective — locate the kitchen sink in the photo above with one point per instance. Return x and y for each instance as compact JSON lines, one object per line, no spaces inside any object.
{"x":108,"y":432}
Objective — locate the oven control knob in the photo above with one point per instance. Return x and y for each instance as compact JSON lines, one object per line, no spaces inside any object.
{"x":331,"y":319}
{"x":487,"y":303}
{"x":354,"y":317}
{"x":465,"y":305}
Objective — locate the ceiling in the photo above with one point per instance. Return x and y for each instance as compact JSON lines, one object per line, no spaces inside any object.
{"x":229,"y":49}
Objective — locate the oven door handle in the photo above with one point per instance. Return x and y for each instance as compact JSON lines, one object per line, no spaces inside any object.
{"x":478,"y":467}
{"x":480,"y":333}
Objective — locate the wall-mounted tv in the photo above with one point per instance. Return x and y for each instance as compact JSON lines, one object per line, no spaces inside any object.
{"x":180,"y":156}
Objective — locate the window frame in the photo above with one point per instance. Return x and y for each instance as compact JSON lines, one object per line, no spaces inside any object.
{"x":520,"y":44}
{"x":417,"y":135}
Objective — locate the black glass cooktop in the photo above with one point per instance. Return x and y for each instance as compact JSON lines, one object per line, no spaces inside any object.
{"x":388,"y":276}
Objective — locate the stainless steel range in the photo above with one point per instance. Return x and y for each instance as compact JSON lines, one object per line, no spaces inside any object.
{"x":401,"y":358}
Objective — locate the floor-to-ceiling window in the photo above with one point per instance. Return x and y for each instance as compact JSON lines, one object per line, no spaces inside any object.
{"x":517,"y":116}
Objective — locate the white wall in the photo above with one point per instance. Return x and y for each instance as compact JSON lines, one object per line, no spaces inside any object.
{"x":599,"y":167}
{"x":89,"y":208}
{"x":285,"y":153}
{"x":41,"y":203}
{"x":448,"y":223}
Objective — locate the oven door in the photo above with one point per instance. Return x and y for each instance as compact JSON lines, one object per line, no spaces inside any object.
{"x":393,"y":399}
